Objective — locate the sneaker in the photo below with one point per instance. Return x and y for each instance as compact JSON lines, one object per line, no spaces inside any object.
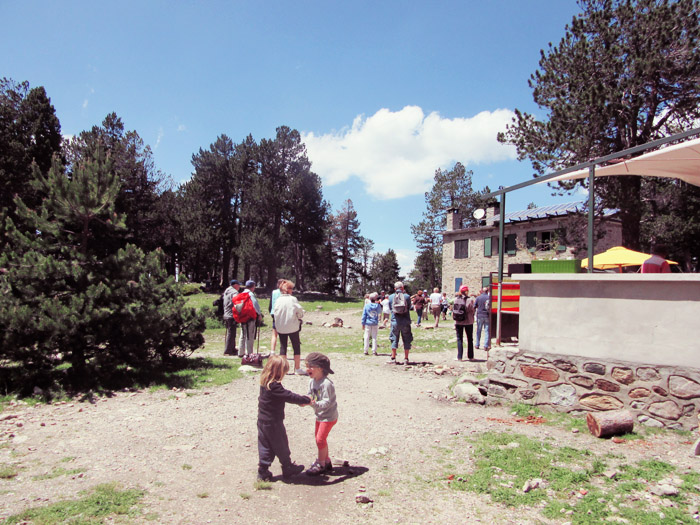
{"x":264,"y":474}
{"x":391,"y":361}
{"x":302,"y":372}
{"x":458,"y":359}
{"x":292,"y":470}
{"x":366,"y":353}
{"x":476,"y":347}
{"x":328,"y":468}
{"x":375,"y":353}
{"x":315,"y":469}
{"x":291,"y":372}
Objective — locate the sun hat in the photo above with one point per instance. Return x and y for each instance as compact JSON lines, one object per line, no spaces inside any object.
{"x":317,"y":359}
{"x":463,"y":289}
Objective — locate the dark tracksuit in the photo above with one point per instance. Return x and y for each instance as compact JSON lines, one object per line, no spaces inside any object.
{"x":272,"y":436}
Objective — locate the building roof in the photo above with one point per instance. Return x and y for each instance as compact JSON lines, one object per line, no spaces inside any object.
{"x":554,"y":210}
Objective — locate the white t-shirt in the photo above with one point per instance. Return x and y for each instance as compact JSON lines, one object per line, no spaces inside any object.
{"x":385,"y":305}
{"x":435,"y":298}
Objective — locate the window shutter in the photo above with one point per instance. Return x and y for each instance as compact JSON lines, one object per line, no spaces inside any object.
{"x":458,"y":284}
{"x":487,"y":247}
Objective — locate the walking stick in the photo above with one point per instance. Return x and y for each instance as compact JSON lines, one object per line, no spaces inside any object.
{"x":257,"y":334}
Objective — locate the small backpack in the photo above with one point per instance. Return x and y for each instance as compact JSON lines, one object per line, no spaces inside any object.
{"x":459,"y":309}
{"x":219,"y":305}
{"x":399,"y":305}
{"x":243,"y":309}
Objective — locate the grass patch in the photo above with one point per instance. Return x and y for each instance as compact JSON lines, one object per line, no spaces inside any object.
{"x":262,"y":485}
{"x":102,"y":502}
{"x":244,"y":495}
{"x":198,"y":372}
{"x":8,"y":471}
{"x":572,"y":482}
{"x":203,"y":495}
{"x":58,"y":472}
{"x":186,"y":467}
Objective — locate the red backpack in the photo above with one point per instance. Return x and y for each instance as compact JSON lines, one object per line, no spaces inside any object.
{"x":243,"y":309}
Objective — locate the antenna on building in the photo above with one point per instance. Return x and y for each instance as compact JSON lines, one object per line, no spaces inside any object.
{"x":479,"y":214}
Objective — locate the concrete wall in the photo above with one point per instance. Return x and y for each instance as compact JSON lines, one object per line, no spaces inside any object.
{"x":630,"y":317}
{"x":604,"y":342}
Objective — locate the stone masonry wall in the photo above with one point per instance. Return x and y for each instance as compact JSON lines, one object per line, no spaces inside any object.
{"x":471,"y":269}
{"x":658,"y":396}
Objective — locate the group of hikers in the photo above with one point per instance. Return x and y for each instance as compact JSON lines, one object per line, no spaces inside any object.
{"x":397,"y":307}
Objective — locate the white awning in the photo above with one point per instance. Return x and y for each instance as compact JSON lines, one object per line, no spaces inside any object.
{"x":680,"y":161}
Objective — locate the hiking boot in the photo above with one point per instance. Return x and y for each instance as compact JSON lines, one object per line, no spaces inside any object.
{"x":315,"y":469}
{"x":264,"y":474}
{"x":292,"y":470}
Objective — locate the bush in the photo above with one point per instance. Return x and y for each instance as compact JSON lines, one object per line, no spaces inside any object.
{"x":190,"y":288}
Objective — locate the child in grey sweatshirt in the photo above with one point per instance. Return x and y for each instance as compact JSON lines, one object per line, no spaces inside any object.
{"x":322,"y":394}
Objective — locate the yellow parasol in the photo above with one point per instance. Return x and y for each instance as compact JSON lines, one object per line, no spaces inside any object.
{"x":617,"y":257}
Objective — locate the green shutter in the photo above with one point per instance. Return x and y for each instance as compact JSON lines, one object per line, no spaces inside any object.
{"x":487,"y":247}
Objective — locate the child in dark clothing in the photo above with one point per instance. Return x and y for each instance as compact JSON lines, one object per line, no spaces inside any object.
{"x":272,"y":436}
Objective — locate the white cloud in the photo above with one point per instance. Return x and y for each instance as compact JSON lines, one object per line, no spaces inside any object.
{"x":396,"y":154}
{"x":406,"y":260}
{"x":181,"y":127}
{"x":159,"y":138}
{"x":85,"y":104}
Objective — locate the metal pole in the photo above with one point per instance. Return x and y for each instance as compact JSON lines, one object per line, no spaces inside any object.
{"x":591,"y":215}
{"x":501,"y":250}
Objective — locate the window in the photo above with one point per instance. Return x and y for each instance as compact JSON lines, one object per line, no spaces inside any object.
{"x":546,"y":239}
{"x":487,"y":247}
{"x":458,"y":284}
{"x":510,"y":244}
{"x":531,"y":241}
{"x":462,"y":249}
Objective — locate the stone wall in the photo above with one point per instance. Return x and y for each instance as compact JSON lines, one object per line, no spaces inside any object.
{"x":657,"y":395}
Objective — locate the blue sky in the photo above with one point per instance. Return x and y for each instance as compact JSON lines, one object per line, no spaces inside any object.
{"x":383,"y":93}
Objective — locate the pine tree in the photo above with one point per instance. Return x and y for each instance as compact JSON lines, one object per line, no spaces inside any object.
{"x":74,"y":305}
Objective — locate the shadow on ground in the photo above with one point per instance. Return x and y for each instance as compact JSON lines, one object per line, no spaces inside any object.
{"x":339,"y":475}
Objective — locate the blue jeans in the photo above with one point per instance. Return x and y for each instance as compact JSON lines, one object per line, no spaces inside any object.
{"x":483,"y":322}
{"x":469,"y":328}
{"x":404,"y":331}
{"x":420,"y":316}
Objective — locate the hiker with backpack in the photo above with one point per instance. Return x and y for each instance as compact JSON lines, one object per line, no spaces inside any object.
{"x":246,"y":311}
{"x":399,"y":303}
{"x":229,"y":321}
{"x":463,"y":315}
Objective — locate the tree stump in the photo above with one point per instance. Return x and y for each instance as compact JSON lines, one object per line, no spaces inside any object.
{"x":610,"y":423}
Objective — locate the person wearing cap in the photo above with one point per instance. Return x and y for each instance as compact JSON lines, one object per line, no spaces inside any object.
{"x":229,"y":321}
{"x":400,"y":325}
{"x":370,"y":322}
{"x":248,"y":329}
{"x":465,"y":306}
{"x":322,"y":394}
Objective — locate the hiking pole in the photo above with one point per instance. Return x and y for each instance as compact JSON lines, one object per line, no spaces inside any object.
{"x":257,"y":334}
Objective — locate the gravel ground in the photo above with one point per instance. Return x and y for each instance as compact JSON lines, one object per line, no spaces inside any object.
{"x":194,"y":452}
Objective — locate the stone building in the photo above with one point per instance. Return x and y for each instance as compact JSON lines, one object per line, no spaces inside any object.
{"x":469,"y":255}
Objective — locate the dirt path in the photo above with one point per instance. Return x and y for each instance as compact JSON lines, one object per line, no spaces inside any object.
{"x":194,"y":452}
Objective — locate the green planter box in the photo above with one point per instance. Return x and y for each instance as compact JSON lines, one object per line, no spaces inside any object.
{"x":565,"y":266}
